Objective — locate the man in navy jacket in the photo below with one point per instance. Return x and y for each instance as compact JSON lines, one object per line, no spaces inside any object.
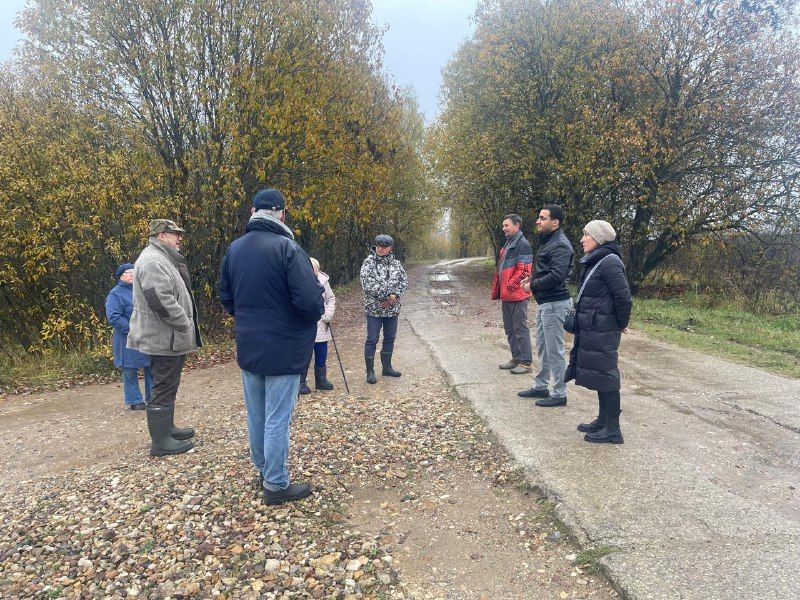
{"x":268,"y":284}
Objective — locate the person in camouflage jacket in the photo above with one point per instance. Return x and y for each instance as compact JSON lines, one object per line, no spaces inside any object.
{"x":384,"y":281}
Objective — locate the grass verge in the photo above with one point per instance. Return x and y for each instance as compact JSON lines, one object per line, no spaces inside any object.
{"x":45,"y":372}
{"x":36,"y":373}
{"x":771,"y":343}
{"x":768,"y":342}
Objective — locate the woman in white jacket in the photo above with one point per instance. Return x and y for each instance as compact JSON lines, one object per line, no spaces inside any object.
{"x":323,"y":336}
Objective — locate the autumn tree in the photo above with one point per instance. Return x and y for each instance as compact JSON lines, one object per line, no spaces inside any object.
{"x":669,"y":118}
{"x":75,"y":193}
{"x":183,"y":109}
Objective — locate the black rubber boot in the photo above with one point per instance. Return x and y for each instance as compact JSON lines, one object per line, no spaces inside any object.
{"x":179,"y":433}
{"x":304,"y":389}
{"x":598,"y":423}
{"x":321,"y":378}
{"x":609,"y":434}
{"x":370,"y":362}
{"x":386,"y":361}
{"x":159,"y":423}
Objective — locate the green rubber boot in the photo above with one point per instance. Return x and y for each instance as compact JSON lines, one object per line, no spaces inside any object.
{"x":159,"y":424}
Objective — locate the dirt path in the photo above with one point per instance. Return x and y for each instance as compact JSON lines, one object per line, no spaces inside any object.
{"x":702,"y":499}
{"x":416,"y":498}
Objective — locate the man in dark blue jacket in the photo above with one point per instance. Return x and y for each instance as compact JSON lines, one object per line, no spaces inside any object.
{"x":268,"y":284}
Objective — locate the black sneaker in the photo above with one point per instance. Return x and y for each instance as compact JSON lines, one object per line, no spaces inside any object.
{"x":550,"y":401}
{"x":140,"y":406}
{"x":296,"y":491}
{"x":534,"y":393}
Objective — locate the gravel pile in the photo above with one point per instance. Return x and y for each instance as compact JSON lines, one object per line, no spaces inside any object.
{"x":194,"y":526}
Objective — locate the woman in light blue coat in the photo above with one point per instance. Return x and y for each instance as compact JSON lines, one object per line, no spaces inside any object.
{"x":119,"y":306}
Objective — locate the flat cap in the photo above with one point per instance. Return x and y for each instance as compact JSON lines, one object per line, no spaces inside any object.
{"x":164,"y":226}
{"x":384,"y":240}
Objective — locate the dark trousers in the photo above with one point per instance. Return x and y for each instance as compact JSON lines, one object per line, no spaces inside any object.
{"x":610,"y":402}
{"x":515,"y":324}
{"x":374,"y":324}
{"x":320,"y":354}
{"x":166,"y":378}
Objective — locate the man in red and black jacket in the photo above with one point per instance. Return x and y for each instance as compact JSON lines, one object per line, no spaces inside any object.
{"x":514,"y":265}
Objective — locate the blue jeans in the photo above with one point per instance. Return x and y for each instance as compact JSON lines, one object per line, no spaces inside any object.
{"x":550,"y":346}
{"x":374,"y":325}
{"x":270,"y":403}
{"x":130,"y":386}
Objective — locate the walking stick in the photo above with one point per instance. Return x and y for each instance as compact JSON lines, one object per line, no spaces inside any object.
{"x":339,"y":358}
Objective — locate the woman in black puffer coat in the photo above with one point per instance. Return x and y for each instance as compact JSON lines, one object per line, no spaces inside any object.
{"x":602,"y":315}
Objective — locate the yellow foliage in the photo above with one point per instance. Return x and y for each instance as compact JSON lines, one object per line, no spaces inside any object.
{"x":184,"y":113}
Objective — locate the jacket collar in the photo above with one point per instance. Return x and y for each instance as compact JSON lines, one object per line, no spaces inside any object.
{"x":546,"y":237}
{"x":173,"y":255}
{"x":383,"y":259}
{"x":512,"y":241}
{"x":262,"y":222}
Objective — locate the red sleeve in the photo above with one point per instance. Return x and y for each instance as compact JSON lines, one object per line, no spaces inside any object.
{"x":521,"y":270}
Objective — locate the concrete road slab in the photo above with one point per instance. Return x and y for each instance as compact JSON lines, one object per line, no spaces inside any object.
{"x":701,"y":502}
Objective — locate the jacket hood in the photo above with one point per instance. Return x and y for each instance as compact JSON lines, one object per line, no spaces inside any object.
{"x":323,"y":278}
{"x":261,"y":222}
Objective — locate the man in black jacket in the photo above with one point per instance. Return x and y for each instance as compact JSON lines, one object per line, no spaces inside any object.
{"x":552,"y":268}
{"x":268,"y":284}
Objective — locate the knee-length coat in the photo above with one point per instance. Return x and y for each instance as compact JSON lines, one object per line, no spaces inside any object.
{"x":602,"y":313}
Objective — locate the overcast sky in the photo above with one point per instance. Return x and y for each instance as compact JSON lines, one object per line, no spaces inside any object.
{"x":9,"y":36}
{"x":422,"y":37}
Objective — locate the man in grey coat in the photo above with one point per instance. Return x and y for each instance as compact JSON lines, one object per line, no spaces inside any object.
{"x":164,"y":326}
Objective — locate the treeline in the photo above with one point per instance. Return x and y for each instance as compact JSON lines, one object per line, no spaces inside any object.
{"x":672,"y":119}
{"x":757,"y":273}
{"x":119,"y":111}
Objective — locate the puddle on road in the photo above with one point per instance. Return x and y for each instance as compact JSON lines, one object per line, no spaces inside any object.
{"x":439,"y":278}
{"x":440,"y":291}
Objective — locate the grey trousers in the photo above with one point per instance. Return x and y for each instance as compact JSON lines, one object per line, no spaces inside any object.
{"x":166,"y":378}
{"x":515,"y":323}
{"x":550,"y":346}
